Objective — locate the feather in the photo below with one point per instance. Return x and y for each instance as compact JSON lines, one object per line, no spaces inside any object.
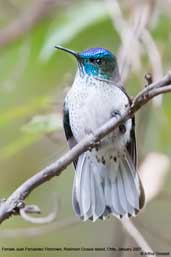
{"x":67,"y":128}
{"x":99,"y":196}
{"x":129,"y":185}
{"x":116,"y":207}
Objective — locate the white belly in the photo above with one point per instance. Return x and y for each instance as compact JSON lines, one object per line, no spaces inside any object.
{"x":90,"y":107}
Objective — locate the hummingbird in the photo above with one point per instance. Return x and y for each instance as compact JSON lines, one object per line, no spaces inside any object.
{"x":106,"y":180}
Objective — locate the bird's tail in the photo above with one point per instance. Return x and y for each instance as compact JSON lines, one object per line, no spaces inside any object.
{"x":101,"y":189}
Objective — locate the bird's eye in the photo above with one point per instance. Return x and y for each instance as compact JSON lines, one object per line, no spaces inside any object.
{"x":99,"y":61}
{"x":96,"y":61}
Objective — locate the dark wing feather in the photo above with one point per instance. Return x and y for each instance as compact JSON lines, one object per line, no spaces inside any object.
{"x":131,"y":145}
{"x":132,"y":150}
{"x":68,"y":132}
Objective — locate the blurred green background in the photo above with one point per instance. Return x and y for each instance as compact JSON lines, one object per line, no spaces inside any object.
{"x":34,"y":79}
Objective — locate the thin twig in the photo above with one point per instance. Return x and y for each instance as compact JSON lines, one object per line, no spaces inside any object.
{"x":25,"y":210}
{"x":153,"y":164}
{"x":153,"y":54}
{"x":40,"y":220}
{"x":136,"y":235}
{"x":35,"y":231}
{"x":130,"y":33}
{"x":162,"y":83}
{"x":155,"y":60}
{"x":13,"y":203}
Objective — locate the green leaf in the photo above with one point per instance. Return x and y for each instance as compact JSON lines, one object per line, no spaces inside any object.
{"x":75,"y":20}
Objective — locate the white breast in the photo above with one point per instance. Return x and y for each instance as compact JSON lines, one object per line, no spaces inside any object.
{"x":90,"y":106}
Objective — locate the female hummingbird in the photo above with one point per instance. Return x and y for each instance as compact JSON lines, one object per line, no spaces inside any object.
{"x":106,"y":180}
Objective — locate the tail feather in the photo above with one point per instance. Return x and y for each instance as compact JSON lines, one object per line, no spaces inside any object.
{"x":132,"y":170}
{"x":116,"y":207}
{"x":137,"y":181}
{"x":75,"y":202}
{"x":103,"y":189}
{"x":123,"y":194}
{"x":98,"y":201}
{"x":107,"y":192}
{"x":85,"y":190}
{"x":129,"y":185}
{"x":88,"y":196}
{"x":82,"y":186}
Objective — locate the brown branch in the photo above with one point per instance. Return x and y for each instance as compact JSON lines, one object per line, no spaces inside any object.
{"x":26,"y":21}
{"x":15,"y":201}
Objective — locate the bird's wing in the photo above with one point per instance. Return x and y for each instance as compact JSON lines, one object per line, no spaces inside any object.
{"x":67,"y":128}
{"x":132,"y":151}
{"x":131,"y":145}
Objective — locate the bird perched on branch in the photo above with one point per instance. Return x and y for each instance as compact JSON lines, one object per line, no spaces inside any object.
{"x":106,"y":180}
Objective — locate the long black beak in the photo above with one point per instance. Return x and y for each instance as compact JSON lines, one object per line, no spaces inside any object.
{"x":68,"y":51}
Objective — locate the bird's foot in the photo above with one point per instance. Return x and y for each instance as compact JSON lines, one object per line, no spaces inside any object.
{"x":115,"y":113}
{"x":95,"y":145}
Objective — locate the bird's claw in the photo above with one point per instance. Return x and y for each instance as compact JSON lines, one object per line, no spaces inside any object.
{"x":115,"y":113}
{"x":95,"y":145}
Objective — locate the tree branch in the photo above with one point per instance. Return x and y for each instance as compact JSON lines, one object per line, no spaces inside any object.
{"x":15,"y":201}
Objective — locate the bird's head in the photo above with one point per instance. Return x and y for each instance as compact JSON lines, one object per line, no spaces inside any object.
{"x":97,"y":62}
